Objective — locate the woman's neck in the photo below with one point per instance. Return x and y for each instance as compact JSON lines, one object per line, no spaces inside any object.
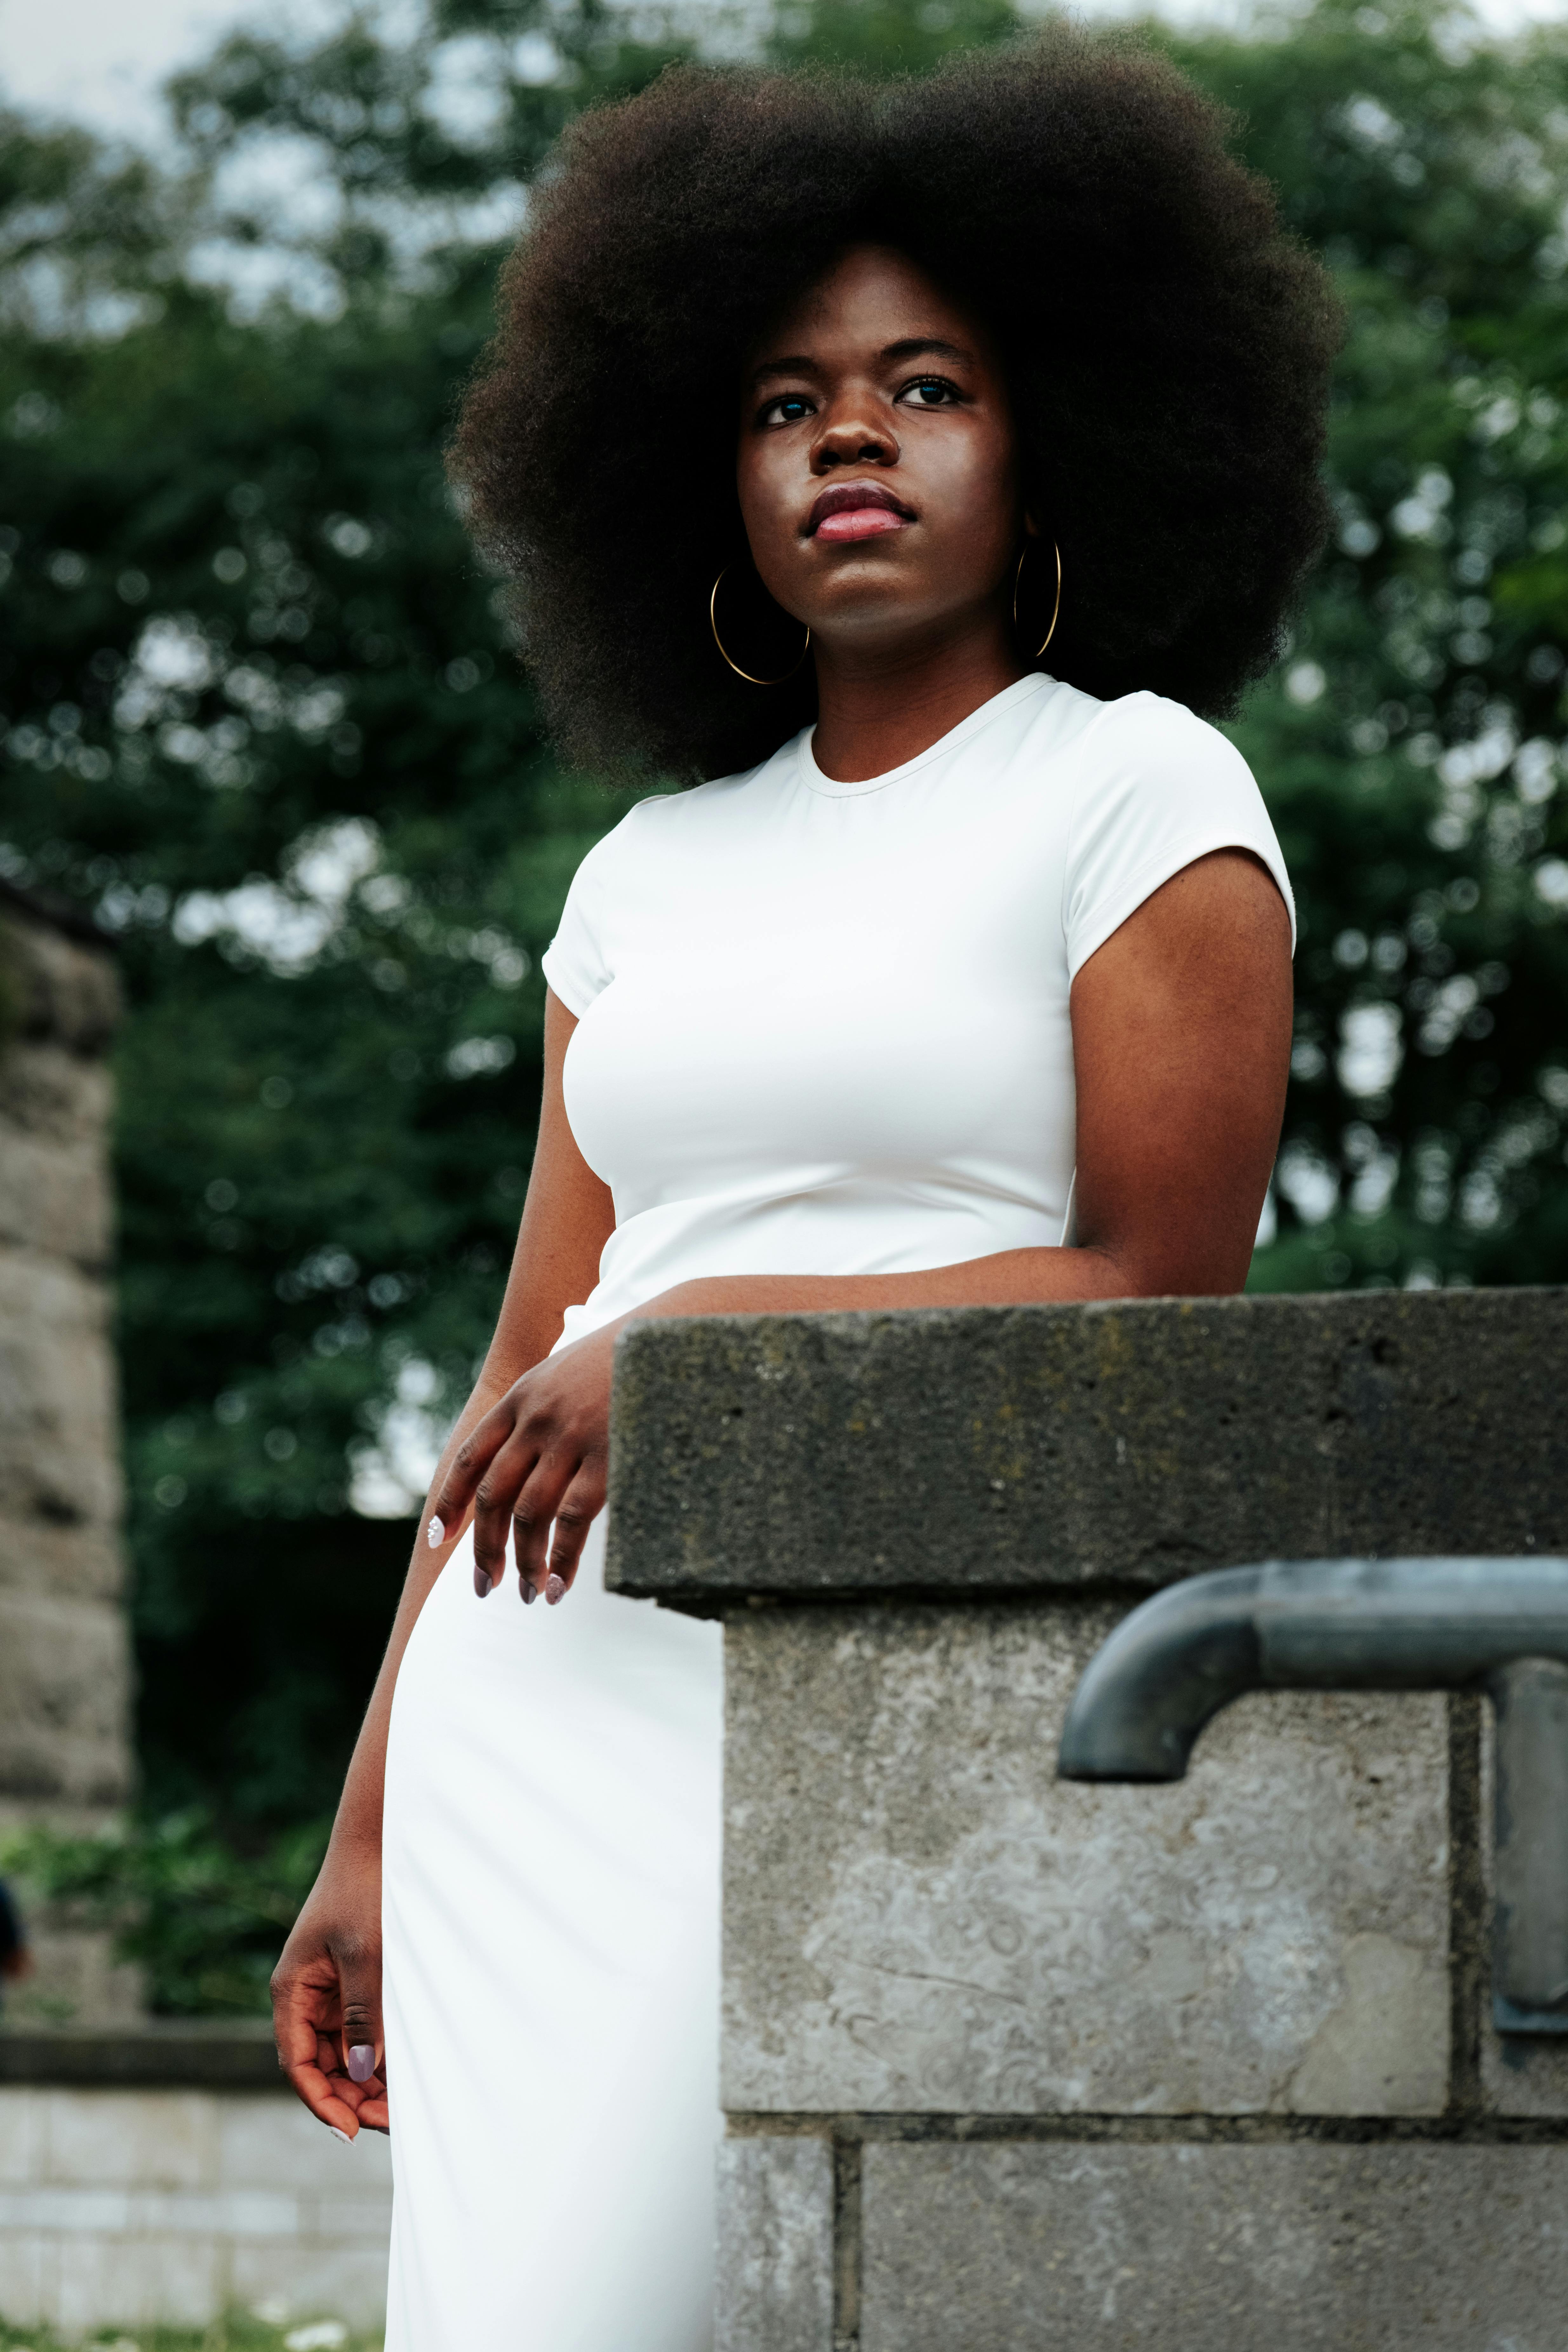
{"x":878,"y":707}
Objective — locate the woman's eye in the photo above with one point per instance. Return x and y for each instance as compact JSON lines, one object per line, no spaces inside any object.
{"x":930,"y":391}
{"x":788,"y":409}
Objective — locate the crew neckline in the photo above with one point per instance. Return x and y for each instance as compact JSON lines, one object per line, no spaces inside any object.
{"x":813,"y":778}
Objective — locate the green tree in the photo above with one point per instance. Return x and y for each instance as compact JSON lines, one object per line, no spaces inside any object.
{"x":262,"y":716}
{"x":261,"y":713}
{"x":1411,"y":745}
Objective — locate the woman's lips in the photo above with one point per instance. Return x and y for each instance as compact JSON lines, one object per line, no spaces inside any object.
{"x":851,"y":511}
{"x":859,"y":522}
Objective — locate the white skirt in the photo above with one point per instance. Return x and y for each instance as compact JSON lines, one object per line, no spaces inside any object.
{"x":551,"y":1914}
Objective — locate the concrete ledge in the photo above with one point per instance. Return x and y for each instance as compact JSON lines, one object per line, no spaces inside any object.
{"x":1067,"y":1449}
{"x":197,"y":2055}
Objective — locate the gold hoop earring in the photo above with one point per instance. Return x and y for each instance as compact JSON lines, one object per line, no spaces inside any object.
{"x":1057,"y":608}
{"x":713,"y":624}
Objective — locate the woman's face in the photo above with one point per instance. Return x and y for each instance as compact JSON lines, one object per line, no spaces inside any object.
{"x":877,"y":466}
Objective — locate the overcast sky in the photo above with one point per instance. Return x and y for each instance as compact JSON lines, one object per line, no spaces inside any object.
{"x":101,"y":61}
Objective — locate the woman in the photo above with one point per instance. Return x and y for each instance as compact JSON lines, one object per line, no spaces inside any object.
{"x":919,"y":462}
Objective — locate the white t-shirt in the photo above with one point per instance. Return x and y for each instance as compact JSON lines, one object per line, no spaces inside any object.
{"x":823,"y":1028}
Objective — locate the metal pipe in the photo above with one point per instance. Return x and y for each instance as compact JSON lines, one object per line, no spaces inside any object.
{"x":1367,"y":1625}
{"x":1530,"y":1897}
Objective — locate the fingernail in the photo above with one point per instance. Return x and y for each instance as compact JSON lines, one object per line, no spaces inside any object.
{"x":361,"y":2061}
{"x":529,"y":1594}
{"x":343,"y":2136}
{"x":481,"y":1581}
{"x":554,"y":1588}
{"x":434,"y":1535}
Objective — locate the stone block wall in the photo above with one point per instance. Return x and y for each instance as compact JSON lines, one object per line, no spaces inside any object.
{"x":125,"y":2207}
{"x":1297,"y":2247}
{"x":1024,"y":2065}
{"x":921,"y":1920}
{"x":149,"y":2174}
{"x":64,"y":1659}
{"x":1200,"y":2066}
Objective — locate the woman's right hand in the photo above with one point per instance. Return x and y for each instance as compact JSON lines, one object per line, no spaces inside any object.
{"x":326,"y":1998}
{"x":326,"y":1989}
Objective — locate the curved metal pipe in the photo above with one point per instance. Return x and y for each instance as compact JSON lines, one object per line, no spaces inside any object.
{"x":1148,"y":1691}
{"x":1301,"y":1624}
{"x":1368,"y":1624}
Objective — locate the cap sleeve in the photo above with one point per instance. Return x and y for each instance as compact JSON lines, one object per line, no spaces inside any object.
{"x":577,"y":962}
{"x":1161,"y":788}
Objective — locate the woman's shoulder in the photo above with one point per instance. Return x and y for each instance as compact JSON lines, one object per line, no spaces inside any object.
{"x":1157,"y":787}
{"x":1144,"y":752}
{"x":677,"y":815}
{"x":1148,"y":731}
{"x":725,"y":796}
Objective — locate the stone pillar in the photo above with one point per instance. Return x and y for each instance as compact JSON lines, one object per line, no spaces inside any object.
{"x":65,"y":1657}
{"x":1012,"y":2064}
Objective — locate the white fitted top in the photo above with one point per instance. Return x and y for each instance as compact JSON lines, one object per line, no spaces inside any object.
{"x":823,"y":1027}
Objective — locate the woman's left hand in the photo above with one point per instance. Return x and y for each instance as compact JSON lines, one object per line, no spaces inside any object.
{"x":538,"y":1458}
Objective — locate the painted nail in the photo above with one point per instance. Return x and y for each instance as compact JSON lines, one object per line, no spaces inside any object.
{"x":434,"y":1535}
{"x":361,"y":2061}
{"x":345,"y":2137}
{"x":530,"y":1594}
{"x":554,"y":1587}
{"x":481,"y":1581}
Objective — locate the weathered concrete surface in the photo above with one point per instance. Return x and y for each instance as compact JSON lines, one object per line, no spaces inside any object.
{"x":63,"y":1701}
{"x":65,"y":1655}
{"x":60,"y":1467}
{"x":1038,"y":1447}
{"x":927,"y":1934}
{"x":775,"y":2246}
{"x":118,"y":2207}
{"x":1215,"y":2248}
{"x":54,"y":1180}
{"x":919,"y":1916}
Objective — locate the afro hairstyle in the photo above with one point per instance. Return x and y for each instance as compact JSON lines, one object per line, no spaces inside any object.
{"x":1167,"y":346}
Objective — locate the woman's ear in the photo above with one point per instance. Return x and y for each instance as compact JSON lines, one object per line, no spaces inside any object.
{"x":1031,"y":527}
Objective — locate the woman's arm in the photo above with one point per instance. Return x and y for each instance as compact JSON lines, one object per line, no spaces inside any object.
{"x":1181,"y":1029}
{"x":326,"y":1989}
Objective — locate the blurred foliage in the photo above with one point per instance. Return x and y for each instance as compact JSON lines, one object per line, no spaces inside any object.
{"x":1411,"y":746}
{"x":203,"y":1922}
{"x":260,"y":711}
{"x":260,"y":714}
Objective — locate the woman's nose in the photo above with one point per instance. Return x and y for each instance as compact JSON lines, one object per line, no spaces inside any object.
{"x":854,"y":435}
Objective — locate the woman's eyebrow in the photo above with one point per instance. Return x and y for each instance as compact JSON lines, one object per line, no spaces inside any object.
{"x":912,"y":347}
{"x":801,"y":364}
{"x":908,"y":347}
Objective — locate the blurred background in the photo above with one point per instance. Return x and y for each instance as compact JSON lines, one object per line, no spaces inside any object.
{"x":263,"y":728}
